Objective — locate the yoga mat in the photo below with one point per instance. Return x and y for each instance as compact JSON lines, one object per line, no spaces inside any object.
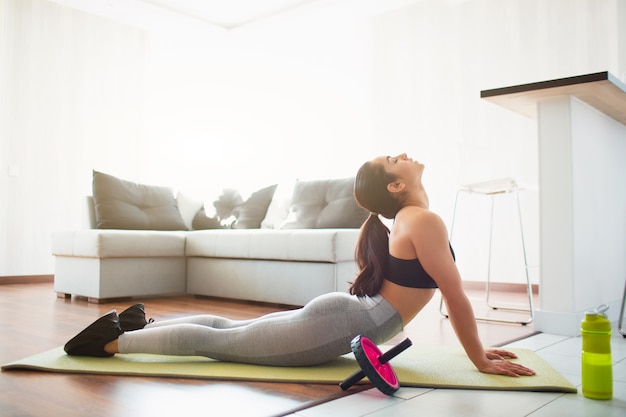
{"x":418,"y":366}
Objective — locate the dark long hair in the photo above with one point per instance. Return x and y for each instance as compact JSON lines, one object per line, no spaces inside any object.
{"x":372,"y":250}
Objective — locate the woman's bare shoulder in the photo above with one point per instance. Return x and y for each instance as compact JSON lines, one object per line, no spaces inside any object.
{"x":423,"y":226}
{"x":419,"y":217}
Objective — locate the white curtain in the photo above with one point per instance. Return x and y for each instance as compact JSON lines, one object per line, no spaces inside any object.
{"x":71,"y":88}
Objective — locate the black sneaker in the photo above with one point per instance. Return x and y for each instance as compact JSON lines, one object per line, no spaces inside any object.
{"x":91,"y":341}
{"x":134,"y":318}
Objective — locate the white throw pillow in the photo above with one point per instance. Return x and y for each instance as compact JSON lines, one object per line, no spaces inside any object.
{"x":279,"y":206}
{"x":188,"y":207}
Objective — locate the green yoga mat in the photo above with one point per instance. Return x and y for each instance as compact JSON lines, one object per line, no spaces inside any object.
{"x":418,"y":366}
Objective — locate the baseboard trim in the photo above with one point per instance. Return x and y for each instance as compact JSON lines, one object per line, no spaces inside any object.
{"x":500,"y":286}
{"x":567,"y":323}
{"x":26,"y":279}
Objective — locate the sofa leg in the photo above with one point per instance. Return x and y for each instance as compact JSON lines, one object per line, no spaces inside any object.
{"x":93,"y":300}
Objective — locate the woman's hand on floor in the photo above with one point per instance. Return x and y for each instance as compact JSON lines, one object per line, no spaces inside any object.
{"x":500,"y":354}
{"x":498,"y":365}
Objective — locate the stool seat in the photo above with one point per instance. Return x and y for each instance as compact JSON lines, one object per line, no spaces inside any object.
{"x":497,"y":186}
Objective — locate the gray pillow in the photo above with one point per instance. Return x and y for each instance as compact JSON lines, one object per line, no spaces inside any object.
{"x":121,"y":204}
{"x":251,"y":212}
{"x":324,"y":204}
{"x":201,"y":221}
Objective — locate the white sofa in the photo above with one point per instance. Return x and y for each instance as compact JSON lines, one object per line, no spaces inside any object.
{"x":275,"y":265}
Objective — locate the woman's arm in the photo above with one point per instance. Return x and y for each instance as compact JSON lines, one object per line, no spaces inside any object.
{"x":430,"y":239}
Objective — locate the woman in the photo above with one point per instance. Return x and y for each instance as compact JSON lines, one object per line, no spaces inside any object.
{"x":399,"y":270}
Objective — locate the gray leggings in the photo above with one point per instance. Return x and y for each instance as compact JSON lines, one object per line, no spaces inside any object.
{"x":314,"y":334}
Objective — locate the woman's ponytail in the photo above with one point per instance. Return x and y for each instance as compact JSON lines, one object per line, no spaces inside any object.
{"x":371,"y":257}
{"x":372,"y":251}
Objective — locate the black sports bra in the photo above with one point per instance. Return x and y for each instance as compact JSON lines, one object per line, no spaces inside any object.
{"x":409,"y":273}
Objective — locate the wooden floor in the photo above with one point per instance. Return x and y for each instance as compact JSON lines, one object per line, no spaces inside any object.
{"x":33,"y":319}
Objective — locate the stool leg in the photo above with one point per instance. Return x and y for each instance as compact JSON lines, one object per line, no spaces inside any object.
{"x":488,"y":285}
{"x":620,"y":326}
{"x":528,"y":284}
{"x":456,"y":199}
{"x":529,"y":288}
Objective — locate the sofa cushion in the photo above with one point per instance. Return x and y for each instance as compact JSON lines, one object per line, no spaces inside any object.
{"x":324,"y":204}
{"x":121,"y":204}
{"x":303,"y":245}
{"x":94,"y":243}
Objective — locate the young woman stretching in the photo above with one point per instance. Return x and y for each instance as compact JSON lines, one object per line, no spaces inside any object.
{"x":399,"y":270}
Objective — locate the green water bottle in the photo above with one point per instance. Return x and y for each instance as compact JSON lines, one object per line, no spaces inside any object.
{"x":597,"y":366}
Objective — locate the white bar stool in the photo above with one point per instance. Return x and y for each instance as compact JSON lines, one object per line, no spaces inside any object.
{"x":491,"y":189}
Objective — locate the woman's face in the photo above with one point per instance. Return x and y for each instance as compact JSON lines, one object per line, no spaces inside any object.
{"x":402,"y":167}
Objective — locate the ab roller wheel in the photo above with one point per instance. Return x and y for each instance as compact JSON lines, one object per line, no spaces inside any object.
{"x":374,"y":365}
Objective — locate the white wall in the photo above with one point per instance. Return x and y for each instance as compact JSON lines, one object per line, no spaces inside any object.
{"x":432,"y":60}
{"x":262,"y":104}
{"x":303,"y":95}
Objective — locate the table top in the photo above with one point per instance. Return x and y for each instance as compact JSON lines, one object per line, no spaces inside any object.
{"x":601,"y":90}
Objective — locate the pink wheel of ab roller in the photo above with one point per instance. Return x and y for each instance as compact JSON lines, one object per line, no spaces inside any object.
{"x":374,"y":365}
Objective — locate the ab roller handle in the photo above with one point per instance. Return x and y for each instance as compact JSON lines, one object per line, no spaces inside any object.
{"x":374,"y":364}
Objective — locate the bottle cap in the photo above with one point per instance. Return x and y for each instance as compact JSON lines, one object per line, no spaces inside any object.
{"x":596,"y":320}
{"x":600,"y":310}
